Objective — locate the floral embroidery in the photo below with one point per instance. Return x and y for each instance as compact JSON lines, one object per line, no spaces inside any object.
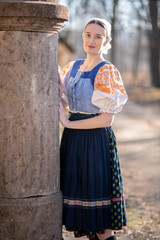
{"x":66,"y":68}
{"x":109,"y":93}
{"x":108,"y":79}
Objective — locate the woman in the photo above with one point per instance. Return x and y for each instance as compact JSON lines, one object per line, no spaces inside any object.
{"x":91,"y":180}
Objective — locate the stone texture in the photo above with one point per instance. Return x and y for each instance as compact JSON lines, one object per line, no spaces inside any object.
{"x":30,"y":197}
{"x":32,"y":16}
{"x":29,"y":150}
{"x":31,"y":218}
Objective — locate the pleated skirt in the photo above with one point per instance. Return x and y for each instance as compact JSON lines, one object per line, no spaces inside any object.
{"x":91,"y":181}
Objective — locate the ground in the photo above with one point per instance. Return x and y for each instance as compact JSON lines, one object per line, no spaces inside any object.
{"x":137,"y":129}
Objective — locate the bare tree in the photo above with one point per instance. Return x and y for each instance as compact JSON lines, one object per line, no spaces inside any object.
{"x":114,"y":20}
{"x":154,"y":43}
{"x":147,"y":15}
{"x":136,"y":55}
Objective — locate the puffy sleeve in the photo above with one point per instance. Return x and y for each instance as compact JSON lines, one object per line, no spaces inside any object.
{"x":109,"y":93}
{"x":64,"y":74}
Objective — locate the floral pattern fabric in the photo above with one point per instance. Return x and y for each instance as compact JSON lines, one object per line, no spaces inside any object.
{"x":109,"y":94}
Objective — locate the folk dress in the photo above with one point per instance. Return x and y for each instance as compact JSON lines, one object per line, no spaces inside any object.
{"x":91,"y":181}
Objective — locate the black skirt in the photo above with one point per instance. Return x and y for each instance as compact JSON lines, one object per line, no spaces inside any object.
{"x":91,"y":181}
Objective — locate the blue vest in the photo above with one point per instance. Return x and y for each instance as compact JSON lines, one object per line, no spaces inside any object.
{"x":80,"y":88}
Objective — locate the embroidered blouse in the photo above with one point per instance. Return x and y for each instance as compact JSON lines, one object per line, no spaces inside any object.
{"x":108,"y":93}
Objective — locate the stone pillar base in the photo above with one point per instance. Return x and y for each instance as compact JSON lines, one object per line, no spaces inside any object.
{"x":37,"y":218}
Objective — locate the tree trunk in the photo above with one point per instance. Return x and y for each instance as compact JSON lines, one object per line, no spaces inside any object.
{"x":154,"y":40}
{"x":115,"y":4}
{"x":137,"y":55}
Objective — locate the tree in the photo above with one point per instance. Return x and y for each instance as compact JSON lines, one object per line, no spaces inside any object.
{"x":154,"y":43}
{"x":114,"y":20}
{"x":147,"y":15}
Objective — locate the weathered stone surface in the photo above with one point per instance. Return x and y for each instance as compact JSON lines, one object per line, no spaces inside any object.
{"x":30,"y":197}
{"x":32,"y":16}
{"x":29,"y":147}
{"x":33,"y":9}
{"x":31,"y":218}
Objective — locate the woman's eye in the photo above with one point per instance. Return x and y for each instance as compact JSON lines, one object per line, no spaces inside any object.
{"x":98,"y":37}
{"x":87,"y":35}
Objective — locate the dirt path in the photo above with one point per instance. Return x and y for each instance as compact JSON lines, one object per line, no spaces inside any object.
{"x":138,"y":135}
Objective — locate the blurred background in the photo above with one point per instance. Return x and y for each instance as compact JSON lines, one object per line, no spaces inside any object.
{"x":135,"y":35}
{"x":136,"y":53}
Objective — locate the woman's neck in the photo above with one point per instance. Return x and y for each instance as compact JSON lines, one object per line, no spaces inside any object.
{"x":92,"y":60}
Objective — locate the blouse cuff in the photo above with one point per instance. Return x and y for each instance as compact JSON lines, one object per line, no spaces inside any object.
{"x":109,"y":103}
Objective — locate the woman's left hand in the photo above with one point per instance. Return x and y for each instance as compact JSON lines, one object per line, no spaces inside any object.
{"x":62,"y":116}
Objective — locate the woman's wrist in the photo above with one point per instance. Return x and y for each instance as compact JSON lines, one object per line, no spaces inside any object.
{"x":68,"y":124}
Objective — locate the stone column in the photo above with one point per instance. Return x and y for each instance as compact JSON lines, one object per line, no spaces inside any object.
{"x":30,"y":197}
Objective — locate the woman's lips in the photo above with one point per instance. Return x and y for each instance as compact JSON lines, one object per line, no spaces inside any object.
{"x":91,"y":46}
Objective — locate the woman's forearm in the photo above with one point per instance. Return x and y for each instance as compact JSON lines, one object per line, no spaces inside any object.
{"x":65,"y":105}
{"x":103,"y":120}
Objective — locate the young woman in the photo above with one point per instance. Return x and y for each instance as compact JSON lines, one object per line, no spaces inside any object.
{"x":91,"y":182}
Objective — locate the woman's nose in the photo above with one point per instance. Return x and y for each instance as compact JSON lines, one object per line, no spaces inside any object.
{"x":92,"y":40}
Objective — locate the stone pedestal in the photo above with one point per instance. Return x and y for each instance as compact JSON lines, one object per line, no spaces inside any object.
{"x":30,"y":197}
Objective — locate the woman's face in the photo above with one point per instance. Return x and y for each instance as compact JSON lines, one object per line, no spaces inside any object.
{"x":94,"y":38}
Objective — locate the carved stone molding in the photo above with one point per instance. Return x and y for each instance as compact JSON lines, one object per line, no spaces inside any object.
{"x":32,"y":16}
